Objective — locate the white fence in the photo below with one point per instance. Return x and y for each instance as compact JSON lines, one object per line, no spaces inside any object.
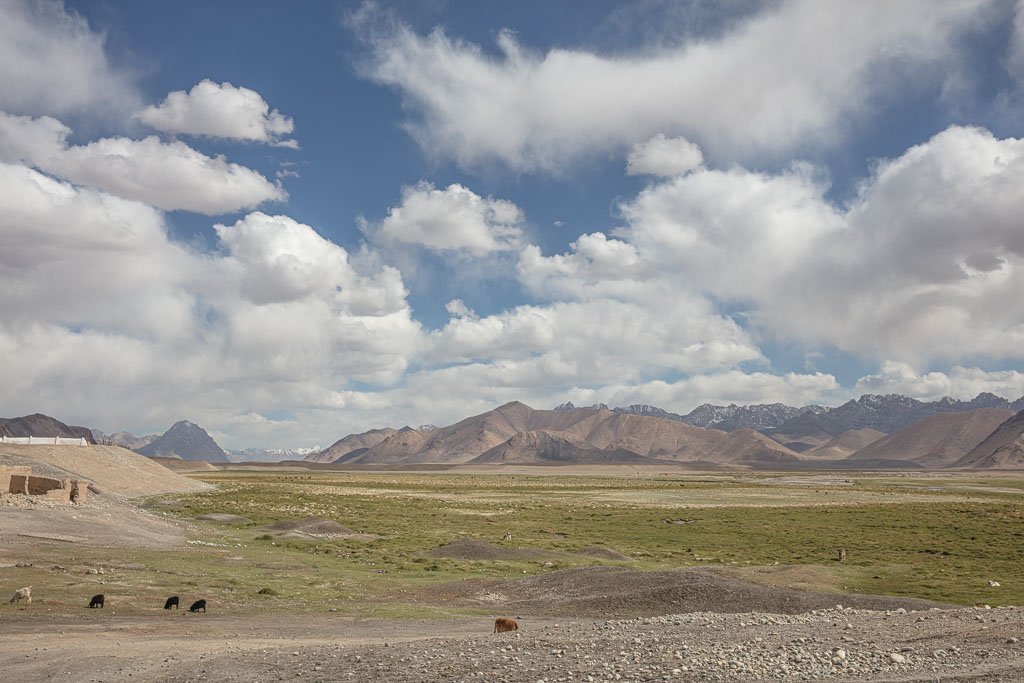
{"x":44,"y":440}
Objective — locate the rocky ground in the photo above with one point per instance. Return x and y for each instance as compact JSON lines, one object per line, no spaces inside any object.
{"x":837,"y":643}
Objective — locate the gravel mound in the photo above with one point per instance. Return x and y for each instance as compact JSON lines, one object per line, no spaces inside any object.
{"x":616,"y":592}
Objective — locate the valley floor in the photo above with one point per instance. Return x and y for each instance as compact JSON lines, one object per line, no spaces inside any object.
{"x":614,"y":576}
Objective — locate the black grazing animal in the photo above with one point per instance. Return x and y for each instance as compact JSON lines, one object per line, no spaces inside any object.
{"x":198,"y":605}
{"x":171,"y":602}
{"x":97,"y":601}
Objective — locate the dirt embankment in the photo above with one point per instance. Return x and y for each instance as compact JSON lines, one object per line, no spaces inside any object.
{"x":108,"y":519}
{"x":619,"y":592}
{"x":113,"y":469}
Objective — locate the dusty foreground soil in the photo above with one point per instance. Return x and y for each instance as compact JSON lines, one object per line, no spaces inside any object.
{"x":838,"y":643}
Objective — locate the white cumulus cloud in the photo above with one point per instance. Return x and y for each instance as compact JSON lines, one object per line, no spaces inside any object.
{"x":219,"y":110}
{"x":105,"y":315}
{"x":53,"y":62}
{"x":794,"y":74}
{"x":895,"y":377}
{"x":664,"y":156}
{"x":453,"y":218}
{"x":167,"y":175}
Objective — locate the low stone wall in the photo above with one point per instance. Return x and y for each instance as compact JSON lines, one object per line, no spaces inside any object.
{"x":19,"y":480}
{"x":6,"y":473}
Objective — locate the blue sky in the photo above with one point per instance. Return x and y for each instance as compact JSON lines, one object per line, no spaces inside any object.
{"x":290,"y":222}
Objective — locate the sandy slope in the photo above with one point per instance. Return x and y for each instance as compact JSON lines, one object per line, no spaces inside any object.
{"x":114,"y":469}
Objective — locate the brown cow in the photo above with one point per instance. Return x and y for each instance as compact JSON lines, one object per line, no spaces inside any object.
{"x":503,"y":624}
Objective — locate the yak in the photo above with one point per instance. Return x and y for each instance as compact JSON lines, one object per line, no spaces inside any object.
{"x":198,"y":605}
{"x":503,"y":624}
{"x":171,"y":602}
{"x":97,"y":601}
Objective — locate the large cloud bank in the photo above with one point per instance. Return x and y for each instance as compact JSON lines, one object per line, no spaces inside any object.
{"x":276,"y":335}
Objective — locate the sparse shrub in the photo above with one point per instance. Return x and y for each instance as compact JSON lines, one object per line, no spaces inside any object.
{"x":267,"y":591}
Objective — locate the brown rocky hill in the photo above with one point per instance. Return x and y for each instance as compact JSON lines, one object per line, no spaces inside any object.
{"x":38,"y":424}
{"x":583,"y":428}
{"x":939,"y":440}
{"x":1003,"y":449}
{"x":752,"y":448}
{"x":544,"y":447}
{"x":185,"y":440}
{"x":352,"y":442}
{"x":846,"y":444}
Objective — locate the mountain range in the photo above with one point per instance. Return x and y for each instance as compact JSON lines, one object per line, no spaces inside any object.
{"x":873,"y":431}
{"x":807,"y":427}
{"x":517,"y":433}
{"x":881,"y":432}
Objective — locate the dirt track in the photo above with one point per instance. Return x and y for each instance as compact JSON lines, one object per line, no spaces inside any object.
{"x":965,"y":644}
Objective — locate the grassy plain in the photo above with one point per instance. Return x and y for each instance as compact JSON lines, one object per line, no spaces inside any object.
{"x":941,"y":538}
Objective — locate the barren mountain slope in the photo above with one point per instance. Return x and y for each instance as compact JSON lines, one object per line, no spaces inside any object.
{"x":401,"y":445}
{"x":463,"y":441}
{"x":578,"y":422}
{"x":845,"y":444}
{"x":350,"y":443}
{"x":1003,"y":449}
{"x":749,"y":447}
{"x":539,"y":447}
{"x":654,"y":437}
{"x":939,"y":440}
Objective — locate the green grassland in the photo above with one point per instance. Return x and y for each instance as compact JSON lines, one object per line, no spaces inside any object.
{"x":928,"y":537}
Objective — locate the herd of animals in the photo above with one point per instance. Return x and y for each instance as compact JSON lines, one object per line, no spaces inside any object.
{"x":98,"y":601}
{"x":501,"y":625}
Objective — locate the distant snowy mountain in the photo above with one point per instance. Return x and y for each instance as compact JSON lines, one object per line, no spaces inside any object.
{"x":270,"y":454}
{"x":762,"y":417}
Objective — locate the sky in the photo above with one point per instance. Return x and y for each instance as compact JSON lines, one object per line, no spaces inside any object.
{"x":288,"y":222}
